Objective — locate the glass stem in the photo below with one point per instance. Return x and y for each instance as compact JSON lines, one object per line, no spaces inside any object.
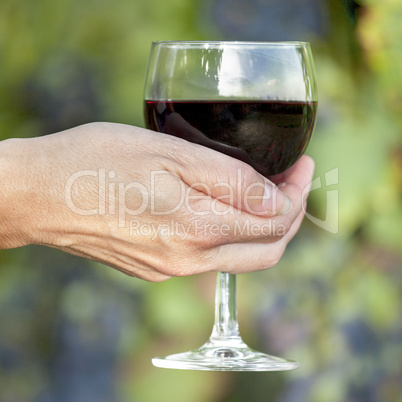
{"x":226,"y":326}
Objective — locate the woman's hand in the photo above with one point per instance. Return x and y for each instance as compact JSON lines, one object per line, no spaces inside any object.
{"x":148,"y":204}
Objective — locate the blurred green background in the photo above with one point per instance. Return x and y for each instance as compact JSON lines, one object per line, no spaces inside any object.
{"x":75,"y":331}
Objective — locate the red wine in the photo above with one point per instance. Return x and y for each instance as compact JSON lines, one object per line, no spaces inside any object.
{"x":269,"y":135}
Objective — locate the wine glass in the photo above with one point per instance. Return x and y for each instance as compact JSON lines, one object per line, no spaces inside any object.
{"x":255,"y":101}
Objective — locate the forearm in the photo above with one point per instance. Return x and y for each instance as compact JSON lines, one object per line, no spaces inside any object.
{"x":14,"y":193}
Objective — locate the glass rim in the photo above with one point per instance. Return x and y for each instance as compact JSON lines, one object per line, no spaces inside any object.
{"x":198,"y":43}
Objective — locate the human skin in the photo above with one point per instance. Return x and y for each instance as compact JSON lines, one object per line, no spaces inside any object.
{"x":148,"y":204}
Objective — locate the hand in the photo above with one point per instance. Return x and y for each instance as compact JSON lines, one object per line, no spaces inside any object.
{"x":151,"y":205}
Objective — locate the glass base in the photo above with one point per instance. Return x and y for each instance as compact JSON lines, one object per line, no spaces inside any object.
{"x":220,"y":357}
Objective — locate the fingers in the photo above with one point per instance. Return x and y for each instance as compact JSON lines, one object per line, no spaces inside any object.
{"x":232,"y":182}
{"x":239,"y":226}
{"x":247,"y":258}
{"x":243,"y":257}
{"x":299,"y":173}
{"x":258,"y":249}
{"x":296,"y":182}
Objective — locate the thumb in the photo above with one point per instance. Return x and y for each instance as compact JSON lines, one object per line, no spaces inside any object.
{"x":233,"y":182}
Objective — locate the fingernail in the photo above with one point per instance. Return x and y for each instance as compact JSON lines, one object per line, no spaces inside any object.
{"x":275,"y":201}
